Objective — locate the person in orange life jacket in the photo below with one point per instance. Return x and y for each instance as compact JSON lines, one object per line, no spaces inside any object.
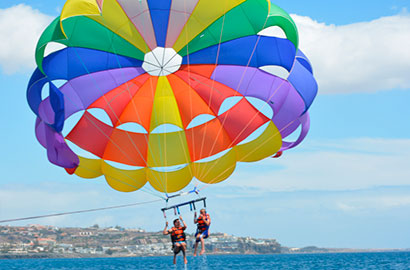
{"x":177,"y":237}
{"x":202,"y":232}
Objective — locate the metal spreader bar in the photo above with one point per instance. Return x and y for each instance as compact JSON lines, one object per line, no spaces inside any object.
{"x":190,"y":203}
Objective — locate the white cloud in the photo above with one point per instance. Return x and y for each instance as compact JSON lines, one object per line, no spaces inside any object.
{"x":381,"y":202}
{"x":20,"y":29}
{"x":360,"y":57}
{"x":331,"y":166}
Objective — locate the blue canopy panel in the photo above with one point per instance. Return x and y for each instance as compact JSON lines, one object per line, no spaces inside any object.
{"x":253,"y":51}
{"x":160,"y":10}
{"x":72,"y":62}
{"x":302,"y":79}
{"x":57,"y":103}
{"x":302,"y":58}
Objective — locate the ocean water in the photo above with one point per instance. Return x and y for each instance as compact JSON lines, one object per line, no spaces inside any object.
{"x":356,"y":261}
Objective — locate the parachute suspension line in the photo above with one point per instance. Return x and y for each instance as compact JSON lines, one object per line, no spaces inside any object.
{"x":101,"y":131}
{"x":181,"y":136}
{"x":239,"y":84}
{"x":143,"y":189}
{"x":78,"y":212}
{"x":251,"y":152}
{"x":112,"y":110}
{"x":195,"y":190}
{"x":189,"y":69}
{"x":163,"y":212}
{"x":160,"y":182}
{"x":254,"y":116}
{"x":114,"y":178}
{"x":213,"y":84}
{"x":243,"y":75}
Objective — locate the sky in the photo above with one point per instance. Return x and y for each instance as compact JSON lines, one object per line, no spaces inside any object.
{"x":346,"y":185}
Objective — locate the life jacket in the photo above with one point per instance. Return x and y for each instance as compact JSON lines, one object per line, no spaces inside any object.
{"x":177,"y":234}
{"x":201,"y":223}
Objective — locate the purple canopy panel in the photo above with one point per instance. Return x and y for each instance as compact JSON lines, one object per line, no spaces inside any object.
{"x":40,"y":132}
{"x":287,"y":117}
{"x":93,"y":86}
{"x":81,"y":92}
{"x":305,"y":122}
{"x":281,"y":96}
{"x":253,"y":82}
{"x":58,"y":151}
{"x":45,"y":111}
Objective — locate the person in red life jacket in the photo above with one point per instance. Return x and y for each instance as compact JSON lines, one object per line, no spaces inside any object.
{"x":177,"y":237}
{"x":203,"y":222}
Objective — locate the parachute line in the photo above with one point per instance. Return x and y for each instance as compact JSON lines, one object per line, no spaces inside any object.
{"x":78,"y":212}
{"x":248,"y":154}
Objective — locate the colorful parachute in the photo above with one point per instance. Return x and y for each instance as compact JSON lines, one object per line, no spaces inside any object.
{"x":161,"y":67}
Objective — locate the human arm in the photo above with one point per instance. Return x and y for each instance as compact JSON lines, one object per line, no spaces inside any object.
{"x":207,"y":220}
{"x":165,"y":232}
{"x":183,"y":222}
{"x":195,"y":219}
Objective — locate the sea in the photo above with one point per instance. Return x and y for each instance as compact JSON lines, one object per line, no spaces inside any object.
{"x":356,"y":261}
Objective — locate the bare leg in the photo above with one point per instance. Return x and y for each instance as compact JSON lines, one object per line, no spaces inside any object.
{"x":196,"y":245}
{"x":202,"y":246}
{"x":183,"y":247}
{"x":176,"y":251}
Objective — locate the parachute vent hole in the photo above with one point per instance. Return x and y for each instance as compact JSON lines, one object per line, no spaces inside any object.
{"x":214,"y":157}
{"x":101,"y":115}
{"x":166,"y":128}
{"x":122,"y":166}
{"x":170,"y":168}
{"x":71,"y":122}
{"x":81,"y":152}
{"x":53,"y":47}
{"x":228,"y":104}
{"x":59,"y":83}
{"x":200,"y":120}
{"x":278,"y":71}
{"x":273,"y":31}
{"x":255,"y":134}
{"x":262,"y":106}
{"x":45,"y":91}
{"x":132,"y":127}
{"x":292,"y":137}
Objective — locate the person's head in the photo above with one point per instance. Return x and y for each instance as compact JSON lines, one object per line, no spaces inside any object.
{"x":202,"y":211}
{"x":177,"y":223}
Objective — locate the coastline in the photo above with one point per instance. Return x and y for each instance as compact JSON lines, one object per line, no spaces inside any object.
{"x":88,"y":256}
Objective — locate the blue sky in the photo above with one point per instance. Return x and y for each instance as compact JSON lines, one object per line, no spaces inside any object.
{"x":347,"y":185}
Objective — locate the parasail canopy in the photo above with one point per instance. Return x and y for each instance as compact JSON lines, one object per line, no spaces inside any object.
{"x":185,"y":85}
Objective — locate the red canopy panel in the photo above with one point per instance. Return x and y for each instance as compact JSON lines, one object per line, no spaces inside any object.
{"x":207,"y":140}
{"x":241,"y":121}
{"x":90,"y":134}
{"x":128,"y":148}
{"x":108,"y":143}
{"x":115,"y":101}
{"x":212,"y":92}
{"x":203,"y":70}
{"x":139,"y":110}
{"x":190,"y":104}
